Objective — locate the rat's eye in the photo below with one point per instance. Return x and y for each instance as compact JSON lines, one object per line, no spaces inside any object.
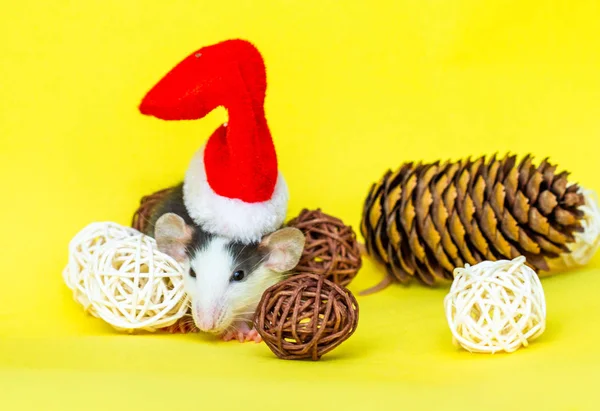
{"x":192,"y":273}
{"x":238,"y":275}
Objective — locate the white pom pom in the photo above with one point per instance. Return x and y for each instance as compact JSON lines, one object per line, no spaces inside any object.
{"x":495,"y":306}
{"x":587,"y":242}
{"x":119,"y":275}
{"x":81,"y":250}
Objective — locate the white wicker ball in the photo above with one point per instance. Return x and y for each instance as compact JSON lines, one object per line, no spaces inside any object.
{"x":132,"y":285}
{"x":118,"y":274}
{"x":495,"y":306}
{"x":81,"y":250}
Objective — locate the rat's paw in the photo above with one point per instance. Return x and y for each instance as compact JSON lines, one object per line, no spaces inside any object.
{"x":253,"y":335}
{"x":229,"y":335}
{"x":242,"y":333}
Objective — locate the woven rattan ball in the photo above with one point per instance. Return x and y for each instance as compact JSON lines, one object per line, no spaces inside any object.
{"x":305,"y":317}
{"x":331,"y":248}
{"x":133,"y":286}
{"x":495,"y":306}
{"x":81,"y":250}
{"x":141,"y":217}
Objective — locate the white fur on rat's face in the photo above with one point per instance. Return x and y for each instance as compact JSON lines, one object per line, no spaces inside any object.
{"x":217,"y":299}
{"x":220,"y":298}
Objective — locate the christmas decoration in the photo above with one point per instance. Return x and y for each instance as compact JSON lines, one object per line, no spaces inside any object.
{"x":425,"y":219}
{"x":119,"y":275}
{"x":331,"y":248}
{"x":495,"y":306}
{"x":305,"y":317}
{"x":232,"y":187}
{"x":142,"y":215}
{"x":82,"y":248}
{"x":586,"y":242}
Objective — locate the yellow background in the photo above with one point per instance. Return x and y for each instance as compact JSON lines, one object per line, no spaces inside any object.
{"x":354,"y":88}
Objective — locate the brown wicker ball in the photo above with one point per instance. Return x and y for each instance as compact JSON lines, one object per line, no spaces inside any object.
{"x":331,"y":247}
{"x":305,"y":317}
{"x":147,"y":203}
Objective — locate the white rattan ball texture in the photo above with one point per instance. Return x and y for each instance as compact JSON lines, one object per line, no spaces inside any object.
{"x":132,"y":285}
{"x":495,"y":306}
{"x":587,"y":242}
{"x":126,"y":280}
{"x":81,"y":250}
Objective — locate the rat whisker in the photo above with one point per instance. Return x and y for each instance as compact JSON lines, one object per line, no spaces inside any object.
{"x":188,"y":323}
{"x":242,"y":319}
{"x":245,"y":313}
{"x":239,"y":252}
{"x":262,"y":260}
{"x":238,"y":320}
{"x":146,"y":219}
{"x":243,"y":261}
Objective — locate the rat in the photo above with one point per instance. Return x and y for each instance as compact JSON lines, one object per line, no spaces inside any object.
{"x":224,"y":279}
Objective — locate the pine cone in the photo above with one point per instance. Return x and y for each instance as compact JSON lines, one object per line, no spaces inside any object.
{"x":424,"y":220}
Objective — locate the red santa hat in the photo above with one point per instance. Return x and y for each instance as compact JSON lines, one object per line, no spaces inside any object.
{"x":233,"y":186}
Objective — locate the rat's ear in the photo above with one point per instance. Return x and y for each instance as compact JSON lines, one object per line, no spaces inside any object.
{"x":285,"y":249}
{"x":172,"y":236}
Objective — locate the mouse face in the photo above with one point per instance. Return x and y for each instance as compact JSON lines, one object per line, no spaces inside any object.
{"x":225,"y":282}
{"x":226,"y":279}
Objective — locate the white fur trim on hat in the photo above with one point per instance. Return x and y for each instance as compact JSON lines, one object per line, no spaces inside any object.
{"x":231,"y":217}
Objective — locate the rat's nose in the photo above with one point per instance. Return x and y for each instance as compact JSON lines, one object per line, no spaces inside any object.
{"x":206,"y":319}
{"x":206,"y":324}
